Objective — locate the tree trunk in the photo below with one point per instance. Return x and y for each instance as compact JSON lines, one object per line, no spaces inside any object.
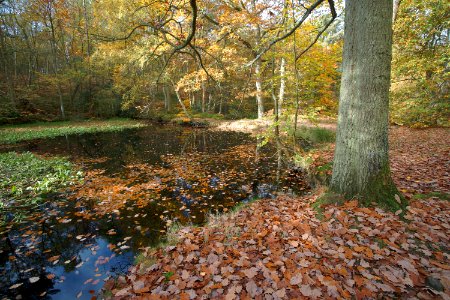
{"x":55,"y":64}
{"x":167,"y":103}
{"x":88,"y":55}
{"x":361,"y":162}
{"x":258,"y":82}
{"x":180,"y":100}
{"x":9,"y":80}
{"x":203,"y":97}
{"x":396,"y":8}
{"x":282,"y":85}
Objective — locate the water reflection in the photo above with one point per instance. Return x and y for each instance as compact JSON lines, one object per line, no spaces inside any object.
{"x":138,"y":182}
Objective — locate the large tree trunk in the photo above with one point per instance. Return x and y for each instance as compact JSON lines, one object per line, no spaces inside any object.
{"x":361,"y":162}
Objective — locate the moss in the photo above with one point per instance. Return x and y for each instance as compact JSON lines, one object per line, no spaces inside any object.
{"x":327,"y":198}
{"x":379,"y":190}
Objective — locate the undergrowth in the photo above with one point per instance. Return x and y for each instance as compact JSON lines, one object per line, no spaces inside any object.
{"x":315,"y":135}
{"x":27,"y":178}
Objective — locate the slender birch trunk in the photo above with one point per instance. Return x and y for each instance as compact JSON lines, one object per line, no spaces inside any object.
{"x":258,"y":83}
{"x":282,"y":85}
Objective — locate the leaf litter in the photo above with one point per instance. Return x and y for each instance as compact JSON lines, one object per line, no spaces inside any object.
{"x":279,"y":249}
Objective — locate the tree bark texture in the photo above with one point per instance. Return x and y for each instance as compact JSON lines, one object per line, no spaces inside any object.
{"x":361,"y":162}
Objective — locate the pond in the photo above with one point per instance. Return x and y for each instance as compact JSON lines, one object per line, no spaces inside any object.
{"x":138,"y":183}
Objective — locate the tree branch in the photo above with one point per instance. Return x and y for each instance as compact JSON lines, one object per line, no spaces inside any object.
{"x":333,"y":17}
{"x":191,"y":35}
{"x":292,"y":30}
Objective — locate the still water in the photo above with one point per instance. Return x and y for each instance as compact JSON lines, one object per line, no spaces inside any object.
{"x":137,"y":183}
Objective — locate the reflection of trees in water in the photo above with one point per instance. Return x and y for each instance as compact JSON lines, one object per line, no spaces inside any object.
{"x":153,"y":177}
{"x":29,"y":251}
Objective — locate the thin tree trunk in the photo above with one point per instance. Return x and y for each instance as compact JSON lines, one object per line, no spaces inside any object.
{"x":258,"y":83}
{"x":203,"y":96}
{"x":396,"y":8}
{"x":167,"y":103}
{"x":258,"y":65}
{"x":9,"y":80}
{"x":55,"y":63}
{"x":208,"y":107}
{"x":361,"y":162}
{"x":180,"y":100}
{"x":282,"y":85}
{"x":88,"y":53}
{"x":297,"y":79}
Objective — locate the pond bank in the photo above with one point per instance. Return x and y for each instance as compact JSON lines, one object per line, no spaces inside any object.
{"x":279,"y":249}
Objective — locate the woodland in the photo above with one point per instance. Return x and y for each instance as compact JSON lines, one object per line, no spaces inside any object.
{"x":224,"y":149}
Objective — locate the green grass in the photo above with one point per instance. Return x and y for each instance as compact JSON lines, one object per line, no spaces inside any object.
{"x":11,"y":134}
{"x":315,"y":135}
{"x":440,"y":195}
{"x":26,"y":178}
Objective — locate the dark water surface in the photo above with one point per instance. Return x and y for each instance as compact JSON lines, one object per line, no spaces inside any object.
{"x":138,"y":182}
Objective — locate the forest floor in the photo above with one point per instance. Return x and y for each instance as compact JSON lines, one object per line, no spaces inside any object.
{"x":282,"y":249}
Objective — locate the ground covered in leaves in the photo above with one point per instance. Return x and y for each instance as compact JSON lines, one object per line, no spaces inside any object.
{"x":281,"y":249}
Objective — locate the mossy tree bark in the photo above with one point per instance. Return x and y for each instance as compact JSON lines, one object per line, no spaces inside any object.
{"x":361,"y":161}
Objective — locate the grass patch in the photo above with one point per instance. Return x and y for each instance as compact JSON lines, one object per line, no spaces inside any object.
{"x":11,"y":134}
{"x":315,"y":135}
{"x":26,"y":178}
{"x":440,"y":195}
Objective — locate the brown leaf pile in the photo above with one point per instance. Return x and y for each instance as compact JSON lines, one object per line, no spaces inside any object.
{"x":278,"y":249}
